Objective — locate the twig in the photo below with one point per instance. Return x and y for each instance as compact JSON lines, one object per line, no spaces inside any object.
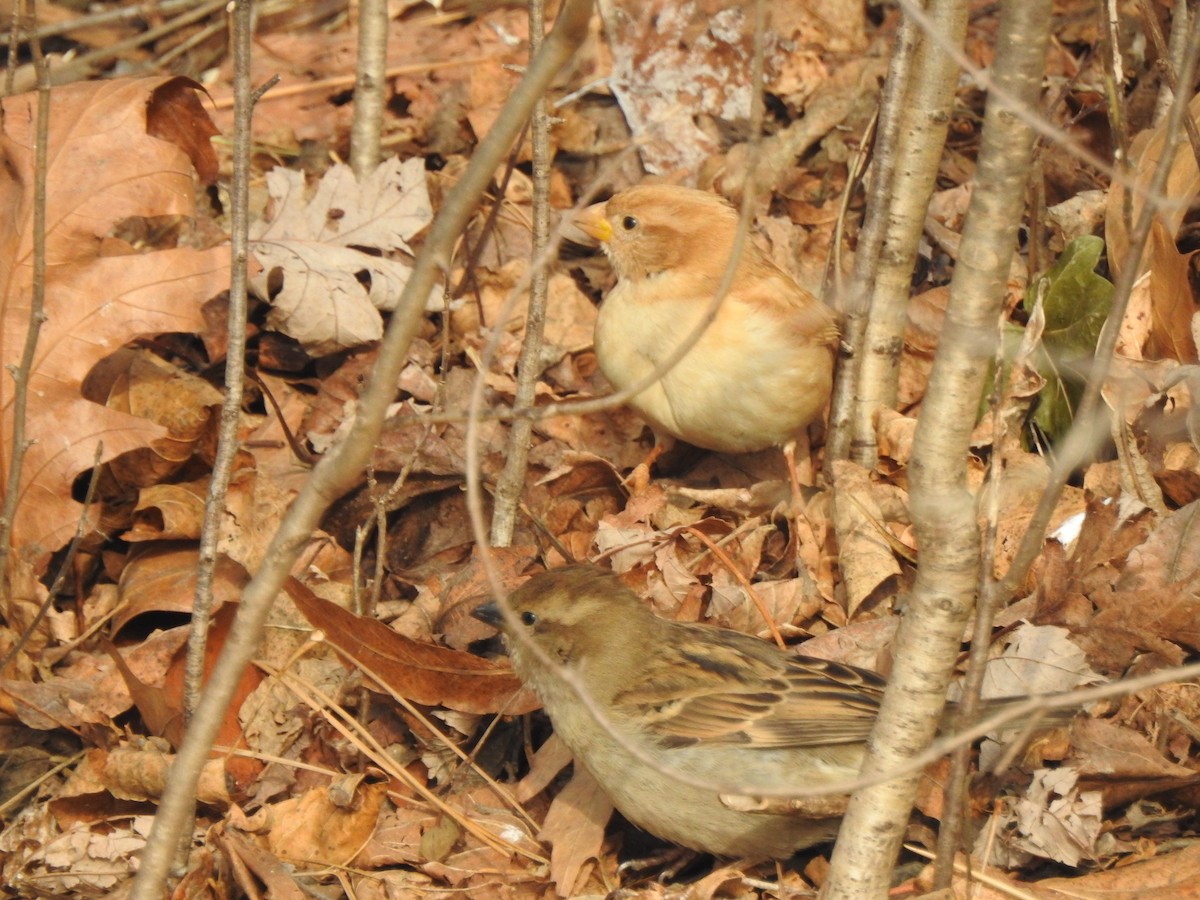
{"x":345,"y":724}
{"x":509,"y":485}
{"x":344,"y":81}
{"x":81,"y":65}
{"x":340,"y":468}
{"x":1114,"y":90}
{"x":107,"y":17}
{"x":855,"y":303}
{"x":235,"y":361}
{"x":23,"y":371}
{"x":950,"y":832}
{"x":10,"y":66}
{"x":743,"y":580}
{"x":13,"y":801}
{"x":998,"y":885}
{"x":943,"y":509}
{"x":1080,"y":439}
{"x":1167,"y":67}
{"x":200,"y":37}
{"x":1062,"y":139}
{"x":921,"y":135}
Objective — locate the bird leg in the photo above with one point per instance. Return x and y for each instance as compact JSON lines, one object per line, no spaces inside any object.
{"x":808,"y":550}
{"x":673,"y":860}
{"x":639,"y":479}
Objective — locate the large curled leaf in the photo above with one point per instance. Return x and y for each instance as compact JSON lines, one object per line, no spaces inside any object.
{"x":106,"y":167}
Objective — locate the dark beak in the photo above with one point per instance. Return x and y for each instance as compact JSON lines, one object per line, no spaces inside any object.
{"x":490,"y":614}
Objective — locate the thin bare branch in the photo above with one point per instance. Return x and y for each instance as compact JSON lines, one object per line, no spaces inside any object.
{"x":23,"y":371}
{"x":340,"y":468}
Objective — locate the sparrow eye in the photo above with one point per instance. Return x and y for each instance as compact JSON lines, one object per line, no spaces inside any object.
{"x":629,"y":223}
{"x":528,"y":618}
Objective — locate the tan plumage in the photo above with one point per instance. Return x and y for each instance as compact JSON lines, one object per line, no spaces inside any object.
{"x":761,"y":372}
{"x":716,"y":704}
{"x":719,"y":706}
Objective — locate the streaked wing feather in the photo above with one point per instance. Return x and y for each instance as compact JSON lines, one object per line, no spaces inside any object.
{"x":740,"y":690}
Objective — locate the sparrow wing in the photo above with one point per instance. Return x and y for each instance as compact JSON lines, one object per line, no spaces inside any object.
{"x":735,"y":689}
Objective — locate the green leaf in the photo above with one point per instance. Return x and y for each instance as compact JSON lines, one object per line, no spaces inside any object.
{"x":1077,"y":302}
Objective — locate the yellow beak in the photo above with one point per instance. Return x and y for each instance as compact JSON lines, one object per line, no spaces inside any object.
{"x":593,"y":223}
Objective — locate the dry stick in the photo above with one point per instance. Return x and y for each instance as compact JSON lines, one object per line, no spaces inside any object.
{"x":892,"y":110}
{"x":379,"y":523}
{"x":340,"y":468}
{"x":235,"y":360}
{"x":160,"y":63}
{"x":366,"y":131}
{"x":1000,"y":886}
{"x":956,"y":805}
{"x":1061,"y":138}
{"x":235,"y":381}
{"x":94,"y":20}
{"x":344,"y":723}
{"x":12,"y":804}
{"x":1079,"y":439}
{"x":1176,"y":45}
{"x":1167,"y":66}
{"x":729,"y":564}
{"x":943,"y":509}
{"x":37,"y":310}
{"x":1114,"y":87}
{"x":81,"y":65}
{"x":924,"y":122}
{"x":434,"y":726}
{"x":342,"y":81}
{"x":10,"y":68}
{"x":529,"y":368}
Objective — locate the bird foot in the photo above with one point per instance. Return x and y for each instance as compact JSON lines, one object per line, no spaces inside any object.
{"x":672,"y":861}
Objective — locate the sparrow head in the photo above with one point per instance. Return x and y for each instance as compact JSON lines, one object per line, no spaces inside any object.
{"x":655,"y":228}
{"x":576,"y":615}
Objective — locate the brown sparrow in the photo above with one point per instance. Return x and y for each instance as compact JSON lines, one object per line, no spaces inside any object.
{"x":715,"y":704}
{"x":721,"y":707}
{"x":762,"y":370}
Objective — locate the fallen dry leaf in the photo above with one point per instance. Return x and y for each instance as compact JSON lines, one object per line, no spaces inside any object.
{"x":321,"y":268}
{"x":95,"y":303}
{"x":574,"y":827}
{"x":420,"y":672}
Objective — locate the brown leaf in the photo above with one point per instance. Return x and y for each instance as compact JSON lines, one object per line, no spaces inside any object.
{"x":1175,"y":875}
{"x":1170,"y":555}
{"x":549,"y":759}
{"x":1123,"y":764}
{"x":174,"y":114}
{"x":95,"y":302}
{"x":1171,"y":302}
{"x":1183,"y":183}
{"x":314,"y":828}
{"x":423,"y":673}
{"x":140,"y":773}
{"x":247,"y":857}
{"x":574,"y":827}
{"x":161,"y":577}
{"x":866,"y":556}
